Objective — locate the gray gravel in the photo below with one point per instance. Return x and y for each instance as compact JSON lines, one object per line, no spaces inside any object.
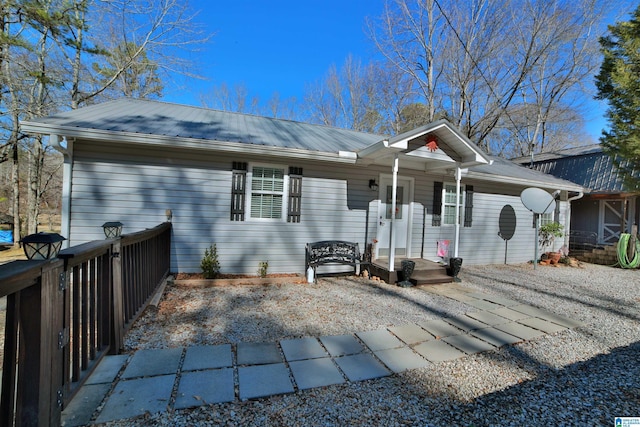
{"x":583,"y":376}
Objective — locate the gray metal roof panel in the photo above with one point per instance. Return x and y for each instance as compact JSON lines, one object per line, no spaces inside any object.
{"x":506,"y":168}
{"x":160,"y":118}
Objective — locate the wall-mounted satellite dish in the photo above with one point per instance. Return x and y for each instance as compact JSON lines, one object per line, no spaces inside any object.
{"x":507,"y":224}
{"x":539,"y":202}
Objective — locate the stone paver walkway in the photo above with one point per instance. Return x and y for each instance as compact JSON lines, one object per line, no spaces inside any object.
{"x":149,"y":381}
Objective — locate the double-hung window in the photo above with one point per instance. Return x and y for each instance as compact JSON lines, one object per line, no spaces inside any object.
{"x":267,"y":192}
{"x":444,"y":204}
{"x":449,"y":204}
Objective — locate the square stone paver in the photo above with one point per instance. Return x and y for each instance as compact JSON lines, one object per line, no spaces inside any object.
{"x":542,"y":325}
{"x":508,"y":313}
{"x":83,"y":405}
{"x":340,"y":345}
{"x":302,"y":348}
{"x":530,"y":310}
{"x":488,"y":317}
{"x":108,"y":369}
{"x":495,"y":336}
{"x":380,"y":339}
{"x":136,"y":397}
{"x":359,"y":367}
{"x":465,"y":323}
{"x":411,"y":334}
{"x":315,"y":373}
{"x":145,"y":363}
{"x":502,"y":301}
{"x":483,"y":304}
{"x":205,"y":387}
{"x":439,"y":328}
{"x":401,"y":359}
{"x":437,"y":351}
{"x":519,"y":330}
{"x":208,"y":357}
{"x":468,"y":343}
{"x":258,"y":353}
{"x":263,"y":380}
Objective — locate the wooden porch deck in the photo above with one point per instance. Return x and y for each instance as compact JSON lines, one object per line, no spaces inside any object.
{"x":425,"y":273}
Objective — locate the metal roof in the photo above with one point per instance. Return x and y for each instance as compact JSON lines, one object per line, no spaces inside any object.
{"x":182,"y":126}
{"x":136,"y":116}
{"x":588,"y":166}
{"x":508,"y":171}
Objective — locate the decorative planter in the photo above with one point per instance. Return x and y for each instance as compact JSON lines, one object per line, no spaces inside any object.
{"x":554,"y":257}
{"x":455,"y":264}
{"x":407,"y":270}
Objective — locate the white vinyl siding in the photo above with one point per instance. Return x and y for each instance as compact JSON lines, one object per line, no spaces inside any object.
{"x":135,"y":186}
{"x":267,"y":193}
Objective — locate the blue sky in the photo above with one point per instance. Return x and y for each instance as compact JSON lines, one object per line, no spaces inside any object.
{"x":282,"y":45}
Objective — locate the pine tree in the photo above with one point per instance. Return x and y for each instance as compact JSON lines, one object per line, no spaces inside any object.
{"x":619,"y":84}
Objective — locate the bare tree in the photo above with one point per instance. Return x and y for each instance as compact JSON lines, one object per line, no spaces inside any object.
{"x":474,"y":61}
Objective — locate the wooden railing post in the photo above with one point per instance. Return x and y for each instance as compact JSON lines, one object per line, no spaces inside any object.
{"x":40,"y":357}
{"x":118,"y":319}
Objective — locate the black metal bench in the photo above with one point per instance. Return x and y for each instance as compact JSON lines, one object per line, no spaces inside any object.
{"x":333,"y":252}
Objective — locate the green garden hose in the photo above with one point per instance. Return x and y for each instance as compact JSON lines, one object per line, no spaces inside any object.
{"x":623,"y":244}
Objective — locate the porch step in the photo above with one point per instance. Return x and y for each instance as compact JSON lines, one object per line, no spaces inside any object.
{"x":431,"y":277}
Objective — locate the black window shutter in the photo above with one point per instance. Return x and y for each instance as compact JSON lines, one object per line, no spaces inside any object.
{"x":468,"y":206}
{"x":437,"y":204}
{"x":295,"y":194}
{"x":238,"y":189}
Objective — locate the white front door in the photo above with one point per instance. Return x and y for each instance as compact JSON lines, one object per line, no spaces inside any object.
{"x":402,"y":220}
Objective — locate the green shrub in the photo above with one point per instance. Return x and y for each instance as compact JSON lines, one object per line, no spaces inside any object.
{"x":262,"y":268}
{"x":210,"y":265}
{"x":548,"y":232}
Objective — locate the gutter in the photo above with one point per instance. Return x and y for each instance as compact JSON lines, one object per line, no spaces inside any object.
{"x":67,"y":171}
{"x":567,"y":219}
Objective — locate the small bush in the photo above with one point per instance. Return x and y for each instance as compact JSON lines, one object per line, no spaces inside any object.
{"x":262,"y":268}
{"x":210,"y":265}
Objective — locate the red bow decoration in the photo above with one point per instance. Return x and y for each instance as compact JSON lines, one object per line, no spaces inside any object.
{"x":432,"y":143}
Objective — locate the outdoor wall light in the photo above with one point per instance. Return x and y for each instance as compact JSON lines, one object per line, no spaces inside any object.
{"x":42,"y":245}
{"x":373,"y":184}
{"x":169,"y":214}
{"x":112,"y":229}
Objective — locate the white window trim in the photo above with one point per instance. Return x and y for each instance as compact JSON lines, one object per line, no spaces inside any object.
{"x":444,"y":204}
{"x":249,"y":192}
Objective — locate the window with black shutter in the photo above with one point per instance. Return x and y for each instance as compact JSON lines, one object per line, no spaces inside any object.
{"x":468,"y":206}
{"x":238,"y":190}
{"x":295,"y":194}
{"x":436,"y":216}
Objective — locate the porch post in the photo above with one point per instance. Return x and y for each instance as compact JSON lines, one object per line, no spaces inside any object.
{"x":392,"y":231}
{"x":457,"y":235}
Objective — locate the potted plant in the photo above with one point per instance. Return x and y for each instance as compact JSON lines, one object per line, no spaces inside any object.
{"x":546,"y":236}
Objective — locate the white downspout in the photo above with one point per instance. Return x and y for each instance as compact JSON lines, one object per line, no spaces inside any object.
{"x":67,"y":167}
{"x":392,"y":230}
{"x":457,"y":232}
{"x":567,"y":219}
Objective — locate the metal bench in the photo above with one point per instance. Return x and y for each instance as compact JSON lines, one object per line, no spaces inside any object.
{"x":333,"y":252}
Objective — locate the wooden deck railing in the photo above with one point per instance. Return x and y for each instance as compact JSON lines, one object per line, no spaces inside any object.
{"x":64,"y":315}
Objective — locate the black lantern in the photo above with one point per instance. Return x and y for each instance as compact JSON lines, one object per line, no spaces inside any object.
{"x":373,"y":184}
{"x":112,"y":229}
{"x":42,"y":245}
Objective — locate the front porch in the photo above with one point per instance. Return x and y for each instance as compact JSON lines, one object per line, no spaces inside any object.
{"x":425,"y":273}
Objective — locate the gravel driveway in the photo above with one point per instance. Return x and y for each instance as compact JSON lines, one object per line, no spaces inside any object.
{"x":583,"y":376}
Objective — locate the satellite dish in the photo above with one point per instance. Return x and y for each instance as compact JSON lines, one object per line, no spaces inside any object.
{"x":538,"y":201}
{"x":507,"y":222}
